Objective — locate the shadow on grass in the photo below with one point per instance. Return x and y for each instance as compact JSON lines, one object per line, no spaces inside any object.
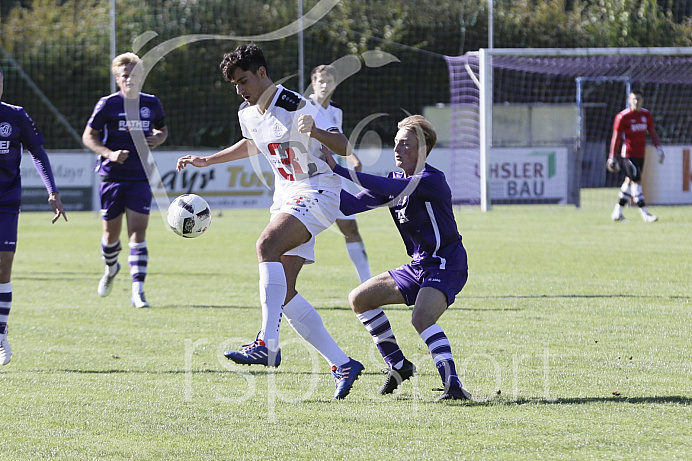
{"x":257,"y":307}
{"x":58,"y":276}
{"x":663,"y":399}
{"x":206,"y":306}
{"x":575,"y":296}
{"x":255,"y":372}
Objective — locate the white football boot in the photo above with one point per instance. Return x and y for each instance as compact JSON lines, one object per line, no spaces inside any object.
{"x":106,"y":282}
{"x":5,"y":350}
{"x":616,"y":215}
{"x":138,"y":300}
{"x":646,"y":216}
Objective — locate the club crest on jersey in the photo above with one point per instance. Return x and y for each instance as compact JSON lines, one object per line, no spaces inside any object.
{"x":5,"y":129}
{"x":278,"y":129}
{"x":145,"y":112}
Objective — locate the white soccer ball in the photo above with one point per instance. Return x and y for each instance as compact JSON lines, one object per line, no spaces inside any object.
{"x":189,"y":215}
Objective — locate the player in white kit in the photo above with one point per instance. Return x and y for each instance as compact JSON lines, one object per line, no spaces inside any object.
{"x":290,"y":132}
{"x":323,"y":80}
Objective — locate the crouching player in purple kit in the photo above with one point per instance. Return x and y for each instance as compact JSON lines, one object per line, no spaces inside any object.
{"x":124,"y":185}
{"x":420,"y":202}
{"x":17,"y":129}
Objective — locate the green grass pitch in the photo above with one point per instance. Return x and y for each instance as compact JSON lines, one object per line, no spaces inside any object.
{"x":573,"y":334}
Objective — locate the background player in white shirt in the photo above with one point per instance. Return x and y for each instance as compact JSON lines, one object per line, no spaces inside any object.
{"x":323,"y":79}
{"x":290,"y":133}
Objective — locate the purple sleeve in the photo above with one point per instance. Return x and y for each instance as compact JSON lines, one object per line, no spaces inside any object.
{"x":160,"y":122}
{"x":96,"y":121}
{"x":364,"y":201}
{"x":378,"y":184}
{"x":42,"y":164}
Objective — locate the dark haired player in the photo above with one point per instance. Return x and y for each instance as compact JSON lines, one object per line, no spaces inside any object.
{"x":631,"y":126}
{"x":17,"y":130}
{"x":124,"y":188}
{"x":290,"y":133}
{"x":420,"y":202}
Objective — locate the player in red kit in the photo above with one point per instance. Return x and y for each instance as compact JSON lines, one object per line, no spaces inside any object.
{"x":632,"y":126}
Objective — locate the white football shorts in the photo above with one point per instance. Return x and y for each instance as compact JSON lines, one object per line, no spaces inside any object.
{"x":316,"y":209}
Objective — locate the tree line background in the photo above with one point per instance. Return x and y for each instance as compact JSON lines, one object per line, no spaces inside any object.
{"x":56,"y":53}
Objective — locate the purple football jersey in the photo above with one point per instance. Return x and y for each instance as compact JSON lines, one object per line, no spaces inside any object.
{"x":110,"y":119}
{"x":421,"y":207}
{"x":18,"y":130}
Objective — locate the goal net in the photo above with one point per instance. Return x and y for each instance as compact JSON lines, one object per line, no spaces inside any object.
{"x":534,"y":125}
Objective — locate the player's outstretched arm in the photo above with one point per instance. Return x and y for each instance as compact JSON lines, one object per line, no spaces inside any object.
{"x":242,"y":149}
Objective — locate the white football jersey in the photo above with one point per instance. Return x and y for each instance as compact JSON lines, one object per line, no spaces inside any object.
{"x":294,"y":156}
{"x":332,"y":112}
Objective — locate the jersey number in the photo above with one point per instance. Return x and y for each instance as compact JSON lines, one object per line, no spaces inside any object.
{"x":291,"y":165}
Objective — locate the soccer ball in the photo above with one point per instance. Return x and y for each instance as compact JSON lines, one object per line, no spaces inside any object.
{"x":189,"y":215}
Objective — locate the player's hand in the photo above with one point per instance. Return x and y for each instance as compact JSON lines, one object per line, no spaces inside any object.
{"x":119,"y":156}
{"x":306,"y":124}
{"x":194,"y":160}
{"x":612,"y":166}
{"x":661,"y":155}
{"x":154,"y":141}
{"x":56,"y":204}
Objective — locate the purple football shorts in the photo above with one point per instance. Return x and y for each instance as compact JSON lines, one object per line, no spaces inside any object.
{"x":411,"y":279}
{"x":9,"y":221}
{"x":118,"y":195}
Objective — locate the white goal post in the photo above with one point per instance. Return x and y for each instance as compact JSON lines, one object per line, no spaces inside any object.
{"x":537,"y":80}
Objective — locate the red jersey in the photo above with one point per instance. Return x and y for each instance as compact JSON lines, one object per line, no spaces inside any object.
{"x":632,"y":127}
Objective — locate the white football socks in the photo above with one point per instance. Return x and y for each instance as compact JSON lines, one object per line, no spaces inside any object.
{"x":272,"y":290}
{"x":306,"y":321}
{"x":356,"y":251}
{"x":5,"y":301}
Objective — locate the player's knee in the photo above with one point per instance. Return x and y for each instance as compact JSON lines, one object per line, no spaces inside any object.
{"x":350,"y":230}
{"x":266,"y":250}
{"x":356,"y":301}
{"x":421,"y":322}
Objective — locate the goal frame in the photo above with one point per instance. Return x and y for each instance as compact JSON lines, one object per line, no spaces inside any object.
{"x":485,"y":83}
